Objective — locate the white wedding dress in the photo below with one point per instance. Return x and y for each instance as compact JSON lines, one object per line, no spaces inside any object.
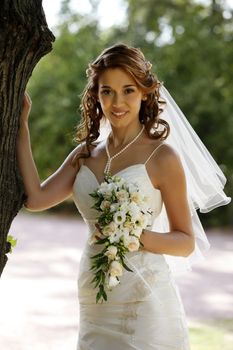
{"x":144,"y":311}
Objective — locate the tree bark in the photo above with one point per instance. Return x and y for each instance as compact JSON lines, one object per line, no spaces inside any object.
{"x":24,"y":39}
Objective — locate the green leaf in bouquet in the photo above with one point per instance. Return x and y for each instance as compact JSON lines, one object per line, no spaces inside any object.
{"x":103,"y":277}
{"x":101,"y":261}
{"x":105,"y":295}
{"x":97,"y":255}
{"x":105,"y":218}
{"x":94,"y":279}
{"x":94,"y":194}
{"x":101,"y":294}
{"x":102,"y":240}
{"x":124,"y":265}
{"x":98,"y":296}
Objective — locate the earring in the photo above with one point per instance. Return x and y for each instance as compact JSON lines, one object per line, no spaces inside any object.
{"x":144,"y":98}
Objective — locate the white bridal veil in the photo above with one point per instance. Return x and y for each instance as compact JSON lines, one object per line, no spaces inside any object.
{"x":205,"y":180}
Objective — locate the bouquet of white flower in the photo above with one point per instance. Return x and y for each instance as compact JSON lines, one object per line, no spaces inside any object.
{"x":124,"y":213}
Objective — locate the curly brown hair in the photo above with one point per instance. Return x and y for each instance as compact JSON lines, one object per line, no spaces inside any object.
{"x":132,"y":61}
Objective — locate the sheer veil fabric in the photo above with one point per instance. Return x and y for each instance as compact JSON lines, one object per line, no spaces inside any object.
{"x":205,"y":180}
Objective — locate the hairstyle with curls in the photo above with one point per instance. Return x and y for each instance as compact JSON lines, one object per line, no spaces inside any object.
{"x":132,"y":61}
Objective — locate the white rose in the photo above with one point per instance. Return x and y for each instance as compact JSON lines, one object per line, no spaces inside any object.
{"x":136,"y":197}
{"x":115,"y":269}
{"x":111,"y":252}
{"x":122,"y":196}
{"x":109,"y":229}
{"x":132,"y":243}
{"x":113,"y":281}
{"x":105,"y":205}
{"x":106,"y":189}
{"x":114,"y":207}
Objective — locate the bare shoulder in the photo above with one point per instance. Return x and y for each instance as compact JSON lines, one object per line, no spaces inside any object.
{"x":166,"y":154}
{"x":168,"y":165}
{"x":73,"y":158}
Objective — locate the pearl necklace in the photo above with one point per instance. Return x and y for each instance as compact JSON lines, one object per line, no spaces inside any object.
{"x":108,"y":164}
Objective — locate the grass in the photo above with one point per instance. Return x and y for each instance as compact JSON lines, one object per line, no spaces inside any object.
{"x":211,"y":335}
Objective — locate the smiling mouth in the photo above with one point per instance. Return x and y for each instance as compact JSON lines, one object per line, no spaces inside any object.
{"x":119,"y":114}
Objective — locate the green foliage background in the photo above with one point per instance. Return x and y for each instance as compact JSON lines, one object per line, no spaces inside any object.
{"x":190,"y":47}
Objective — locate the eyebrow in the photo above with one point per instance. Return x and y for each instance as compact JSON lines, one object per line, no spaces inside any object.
{"x":125,"y":86}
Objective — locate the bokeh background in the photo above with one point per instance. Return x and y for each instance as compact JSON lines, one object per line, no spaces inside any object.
{"x":190,"y":46}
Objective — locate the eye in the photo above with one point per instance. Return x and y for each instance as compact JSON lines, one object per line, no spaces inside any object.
{"x":106,"y":92}
{"x":129,"y":91}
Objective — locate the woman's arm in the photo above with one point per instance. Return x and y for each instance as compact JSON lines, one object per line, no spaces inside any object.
{"x":170,"y":179}
{"x":57,"y":187}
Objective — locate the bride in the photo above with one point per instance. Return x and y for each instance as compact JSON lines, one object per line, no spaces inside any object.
{"x":123,"y":133}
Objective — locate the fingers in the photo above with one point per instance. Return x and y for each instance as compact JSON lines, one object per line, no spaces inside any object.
{"x":27,"y":98}
{"x":26,"y":94}
{"x":26,"y":107}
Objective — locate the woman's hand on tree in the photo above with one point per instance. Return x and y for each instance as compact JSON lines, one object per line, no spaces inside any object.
{"x":26,"y":108}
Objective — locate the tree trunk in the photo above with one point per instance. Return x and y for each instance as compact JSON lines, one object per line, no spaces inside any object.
{"x":24,"y":39}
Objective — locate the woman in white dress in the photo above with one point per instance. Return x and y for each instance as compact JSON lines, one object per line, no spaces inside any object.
{"x":144,"y":311}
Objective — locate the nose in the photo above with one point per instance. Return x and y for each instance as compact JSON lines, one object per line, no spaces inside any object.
{"x":118,"y":100}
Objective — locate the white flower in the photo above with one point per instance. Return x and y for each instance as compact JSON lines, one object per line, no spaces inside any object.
{"x":111,"y":252}
{"x":132,"y":243}
{"x":119,"y":217}
{"x":114,"y":207}
{"x":137,"y":231}
{"x":143,"y":221}
{"x":136,"y":197}
{"x":119,"y":181}
{"x":113,"y":281}
{"x":122,"y":196}
{"x":124,"y":207}
{"x":106,"y":189}
{"x":109,"y":229}
{"x":134,"y":211}
{"x":129,"y":225}
{"x":105,"y":205}
{"x":115,"y":236}
{"x":115,"y":269}
{"x":124,"y":230}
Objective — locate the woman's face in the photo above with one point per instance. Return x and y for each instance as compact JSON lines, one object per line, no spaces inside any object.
{"x":119,"y":97}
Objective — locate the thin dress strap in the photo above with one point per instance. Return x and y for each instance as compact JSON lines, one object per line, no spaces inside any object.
{"x":153,"y":153}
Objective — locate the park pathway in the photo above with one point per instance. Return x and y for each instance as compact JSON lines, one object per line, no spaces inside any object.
{"x":38,"y":289}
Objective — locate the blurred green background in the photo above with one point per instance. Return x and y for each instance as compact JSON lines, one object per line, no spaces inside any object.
{"x":190,"y":46}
